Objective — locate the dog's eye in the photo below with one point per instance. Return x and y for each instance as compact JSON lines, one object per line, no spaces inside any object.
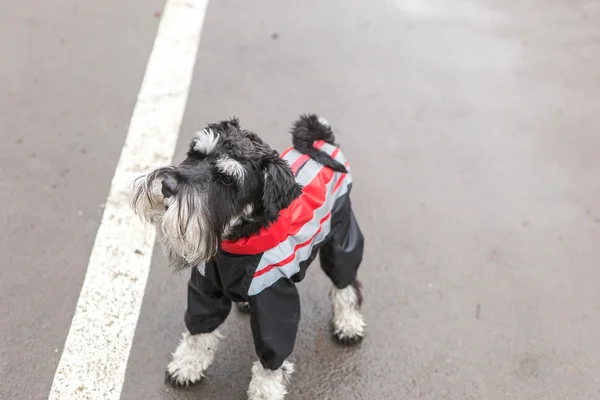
{"x":226,"y":179}
{"x":195,"y":155}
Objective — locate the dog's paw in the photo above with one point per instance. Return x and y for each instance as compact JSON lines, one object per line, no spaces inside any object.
{"x":267,"y":384}
{"x":178,"y":380}
{"x":348,"y":325}
{"x":192,"y":357}
{"x":243,"y":307}
{"x":345,"y":338}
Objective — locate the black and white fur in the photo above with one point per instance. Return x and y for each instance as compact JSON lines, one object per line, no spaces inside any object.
{"x":230,"y":186}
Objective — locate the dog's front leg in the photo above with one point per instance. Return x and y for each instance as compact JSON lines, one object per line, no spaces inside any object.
{"x":192,"y":357}
{"x":267,"y":384}
{"x":207,"y":310}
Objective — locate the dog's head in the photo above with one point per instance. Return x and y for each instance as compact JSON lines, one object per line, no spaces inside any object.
{"x":230,"y":185}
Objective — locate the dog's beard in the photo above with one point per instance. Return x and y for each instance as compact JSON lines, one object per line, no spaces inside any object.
{"x":186,"y":230}
{"x":147,"y":200}
{"x":186,"y":233}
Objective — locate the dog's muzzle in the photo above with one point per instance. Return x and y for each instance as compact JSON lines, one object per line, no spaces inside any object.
{"x":169,"y":187}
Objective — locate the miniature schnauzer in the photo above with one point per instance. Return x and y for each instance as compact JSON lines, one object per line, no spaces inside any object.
{"x":248,"y":222}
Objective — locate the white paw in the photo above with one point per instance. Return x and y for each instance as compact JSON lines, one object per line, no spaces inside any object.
{"x":192,"y":357}
{"x":267,"y":384}
{"x":348,"y":323}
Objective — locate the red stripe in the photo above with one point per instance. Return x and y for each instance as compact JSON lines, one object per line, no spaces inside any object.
{"x":296,"y":248}
{"x":299,"y":162}
{"x":304,"y":157}
{"x":340,"y":181}
{"x":286,"y":151}
{"x":319,"y":144}
{"x":290,"y":220}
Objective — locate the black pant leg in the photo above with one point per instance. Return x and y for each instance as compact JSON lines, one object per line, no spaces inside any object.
{"x":342,"y":254}
{"x":207,"y":306}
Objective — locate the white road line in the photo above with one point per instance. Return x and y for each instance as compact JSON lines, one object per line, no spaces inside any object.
{"x":94,"y":359}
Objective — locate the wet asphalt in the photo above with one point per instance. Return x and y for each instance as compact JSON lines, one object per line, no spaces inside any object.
{"x":472,"y":129}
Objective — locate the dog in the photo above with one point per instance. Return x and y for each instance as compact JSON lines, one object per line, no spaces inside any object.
{"x":248,"y":222}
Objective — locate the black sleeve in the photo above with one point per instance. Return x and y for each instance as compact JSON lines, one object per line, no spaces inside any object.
{"x":275,"y":315}
{"x":207,"y":305}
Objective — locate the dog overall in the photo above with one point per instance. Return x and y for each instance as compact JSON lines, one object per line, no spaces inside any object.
{"x":263,"y":270}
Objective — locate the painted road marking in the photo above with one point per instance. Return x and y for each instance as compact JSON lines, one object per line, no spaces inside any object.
{"x":94,"y":359}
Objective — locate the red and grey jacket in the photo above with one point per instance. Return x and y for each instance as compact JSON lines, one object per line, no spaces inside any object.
{"x":264,"y":268}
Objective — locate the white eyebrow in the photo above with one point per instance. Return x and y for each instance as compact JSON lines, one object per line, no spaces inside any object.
{"x":231,"y":167}
{"x":205,"y":141}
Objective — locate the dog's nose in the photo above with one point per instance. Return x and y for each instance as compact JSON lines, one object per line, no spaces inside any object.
{"x":169,"y":187}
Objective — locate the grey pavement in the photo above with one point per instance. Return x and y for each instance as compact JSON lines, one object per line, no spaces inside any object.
{"x":472,"y":129}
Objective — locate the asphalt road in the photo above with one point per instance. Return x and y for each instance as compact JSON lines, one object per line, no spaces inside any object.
{"x":472,"y":129}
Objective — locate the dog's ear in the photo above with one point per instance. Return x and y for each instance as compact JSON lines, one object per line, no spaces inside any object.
{"x":280,"y":187}
{"x":226,"y":124}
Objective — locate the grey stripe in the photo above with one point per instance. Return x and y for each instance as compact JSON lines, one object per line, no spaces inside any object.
{"x":262,"y":282}
{"x":340,"y":157}
{"x":306,"y":175}
{"x":312,"y":168}
{"x":309,"y":172}
{"x":292,"y":156}
{"x":329,"y":149}
{"x":285,"y":249}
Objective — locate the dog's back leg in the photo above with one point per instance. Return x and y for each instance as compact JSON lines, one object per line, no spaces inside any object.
{"x":243,"y":307}
{"x":340,"y":258}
